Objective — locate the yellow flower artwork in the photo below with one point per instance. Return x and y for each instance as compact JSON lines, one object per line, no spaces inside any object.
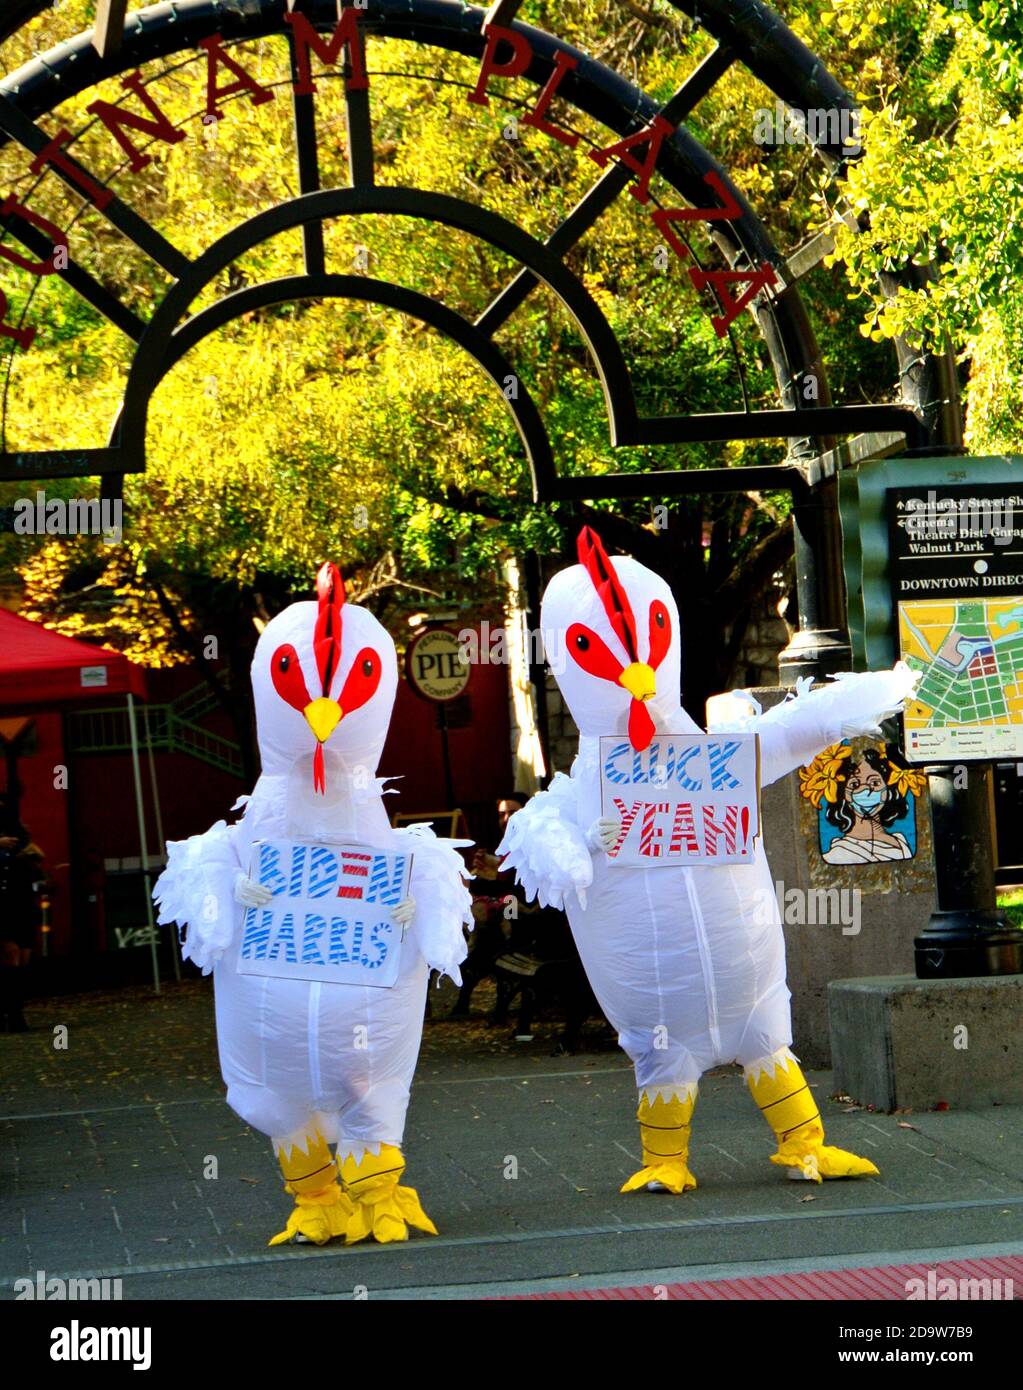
{"x":820,"y":781}
{"x":906,"y":781}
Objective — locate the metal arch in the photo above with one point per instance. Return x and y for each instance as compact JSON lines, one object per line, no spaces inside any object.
{"x":767,"y":47}
{"x":776,"y":56}
{"x":368,"y":199}
{"x":289,"y":288}
{"x":591,"y":87}
{"x":17,"y":13}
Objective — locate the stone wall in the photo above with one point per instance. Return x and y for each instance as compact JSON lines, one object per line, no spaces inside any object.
{"x":562,"y":732}
{"x":765,"y":637}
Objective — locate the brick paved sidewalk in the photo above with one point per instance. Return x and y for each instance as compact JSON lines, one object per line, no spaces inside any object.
{"x":103,"y":1148}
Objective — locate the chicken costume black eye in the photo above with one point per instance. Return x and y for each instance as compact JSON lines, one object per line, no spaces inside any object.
{"x":362,"y":682}
{"x":590,"y":652}
{"x":286,"y":674}
{"x":660,"y":633}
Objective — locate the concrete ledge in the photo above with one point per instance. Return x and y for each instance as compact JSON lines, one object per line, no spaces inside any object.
{"x":901,"y":1043}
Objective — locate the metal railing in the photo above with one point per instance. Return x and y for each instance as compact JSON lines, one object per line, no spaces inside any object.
{"x":169,"y":728}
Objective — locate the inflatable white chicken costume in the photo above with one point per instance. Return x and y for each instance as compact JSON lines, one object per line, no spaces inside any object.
{"x":313,"y":1063}
{"x":710,"y":986}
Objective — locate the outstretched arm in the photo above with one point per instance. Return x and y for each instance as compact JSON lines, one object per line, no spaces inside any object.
{"x":551,"y":854}
{"x":795,"y":731}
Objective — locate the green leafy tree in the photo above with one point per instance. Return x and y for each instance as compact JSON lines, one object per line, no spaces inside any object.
{"x":941,"y":187}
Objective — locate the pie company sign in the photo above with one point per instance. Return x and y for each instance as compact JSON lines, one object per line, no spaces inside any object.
{"x":435,"y":665}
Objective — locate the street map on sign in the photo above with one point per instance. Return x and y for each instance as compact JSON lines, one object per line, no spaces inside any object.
{"x":969,"y":703}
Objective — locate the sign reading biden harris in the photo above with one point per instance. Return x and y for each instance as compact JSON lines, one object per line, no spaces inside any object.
{"x":330,"y":918}
{"x":686,"y":799}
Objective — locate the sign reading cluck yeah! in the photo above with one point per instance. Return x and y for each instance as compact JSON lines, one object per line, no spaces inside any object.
{"x":508,"y":53}
{"x":686,"y":799}
{"x":330,"y":918}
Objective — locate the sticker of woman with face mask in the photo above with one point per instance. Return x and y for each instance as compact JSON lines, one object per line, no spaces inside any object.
{"x":865,"y":801}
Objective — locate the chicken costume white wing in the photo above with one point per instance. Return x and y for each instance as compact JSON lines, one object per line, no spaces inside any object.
{"x":317,"y":1063}
{"x":709,"y":987}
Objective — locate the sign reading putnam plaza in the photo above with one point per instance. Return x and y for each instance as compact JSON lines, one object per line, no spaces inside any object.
{"x":330,"y":918}
{"x":508,"y":54}
{"x":956,"y":562}
{"x":686,"y":799}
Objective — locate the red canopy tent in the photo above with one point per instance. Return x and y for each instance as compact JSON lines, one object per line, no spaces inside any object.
{"x":40,"y":669}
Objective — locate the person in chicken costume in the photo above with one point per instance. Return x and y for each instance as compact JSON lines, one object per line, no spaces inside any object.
{"x":709,"y":987}
{"x":318,"y":1063}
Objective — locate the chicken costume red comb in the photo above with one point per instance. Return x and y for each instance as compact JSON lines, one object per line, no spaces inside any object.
{"x":685,"y":955}
{"x":593,"y":558}
{"x":330,"y":593}
{"x":322,"y":925}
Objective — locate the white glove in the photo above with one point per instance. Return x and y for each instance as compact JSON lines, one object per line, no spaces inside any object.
{"x":250,"y":893}
{"x":604,"y":833}
{"x":404,"y":912}
{"x":901,"y":682}
{"x":866,"y":727}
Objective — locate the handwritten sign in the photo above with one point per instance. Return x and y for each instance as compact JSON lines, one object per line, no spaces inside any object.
{"x":686,"y":799}
{"x":330,"y":918}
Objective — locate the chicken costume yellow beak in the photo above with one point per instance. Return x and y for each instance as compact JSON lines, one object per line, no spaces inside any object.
{"x":639,"y":680}
{"x":323,"y":717}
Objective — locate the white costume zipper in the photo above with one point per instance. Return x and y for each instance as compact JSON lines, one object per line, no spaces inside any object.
{"x":705,"y":962}
{"x":314,"y":1041}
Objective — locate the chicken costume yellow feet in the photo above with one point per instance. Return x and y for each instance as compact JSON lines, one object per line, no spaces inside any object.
{"x":380,"y":1208}
{"x":322,"y":1209}
{"x":664,"y":1124}
{"x":780,"y":1090}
